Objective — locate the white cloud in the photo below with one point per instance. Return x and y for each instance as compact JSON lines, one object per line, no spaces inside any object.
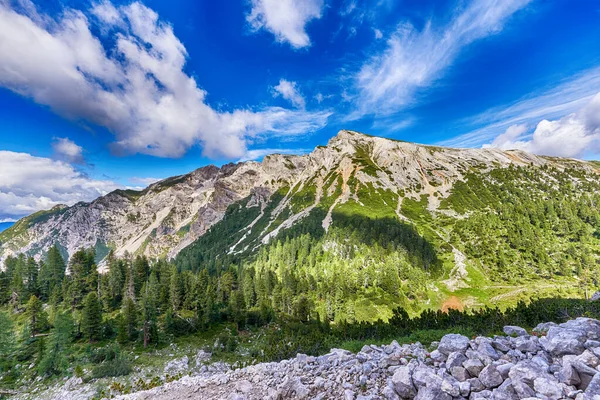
{"x":29,"y":184}
{"x":137,"y":88}
{"x":7,"y":220}
{"x":507,"y":140}
{"x":563,"y":99}
{"x":574,"y":135}
{"x":378,"y":33}
{"x":260,"y":153}
{"x":286,"y":19}
{"x":414,"y":59}
{"x":289,"y":91}
{"x":107,"y":13}
{"x":67,"y":150}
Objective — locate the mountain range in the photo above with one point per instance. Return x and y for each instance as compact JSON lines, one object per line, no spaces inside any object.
{"x":484,"y":223}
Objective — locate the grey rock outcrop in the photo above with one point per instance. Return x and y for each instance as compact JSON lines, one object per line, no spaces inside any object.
{"x":458,"y":369}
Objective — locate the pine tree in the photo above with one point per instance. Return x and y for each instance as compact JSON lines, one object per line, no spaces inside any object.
{"x":38,"y":319}
{"x":7,"y":341}
{"x":31,"y":278}
{"x":237,"y":308}
{"x":56,"y":266}
{"x":129,"y":315}
{"x":82,"y":278}
{"x":176,"y":290}
{"x":116,"y":280}
{"x":149,"y":302}
{"x":141,"y":272}
{"x":54,"y":360}
{"x":91,"y":318}
{"x":129,"y":287}
{"x":17,"y":287}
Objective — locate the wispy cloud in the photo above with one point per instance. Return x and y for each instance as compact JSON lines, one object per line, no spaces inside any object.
{"x":414,"y":59}
{"x":289,"y":91}
{"x":128,"y":76}
{"x":67,"y":150}
{"x":554,"y":103}
{"x":286,"y":19}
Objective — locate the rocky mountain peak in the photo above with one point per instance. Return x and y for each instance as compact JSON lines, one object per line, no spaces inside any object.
{"x":171,"y":214}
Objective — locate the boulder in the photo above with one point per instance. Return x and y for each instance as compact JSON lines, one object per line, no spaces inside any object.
{"x":455,"y":359}
{"x":561,"y":341}
{"x":486,"y":351}
{"x":544,"y":327}
{"x":453,"y":342}
{"x":432,"y":394}
{"x":526,"y":344}
{"x":473,"y":366}
{"x":510,"y":330}
{"x":459,"y":373}
{"x":548,"y":387}
{"x":490,"y":377}
{"x":588,"y":326}
{"x":593,"y":388}
{"x":403,"y":384}
{"x":568,"y":375}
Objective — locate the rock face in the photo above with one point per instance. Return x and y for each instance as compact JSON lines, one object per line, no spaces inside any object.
{"x":409,"y":371}
{"x":171,"y":214}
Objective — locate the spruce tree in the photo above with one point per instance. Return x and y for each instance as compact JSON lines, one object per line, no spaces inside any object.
{"x":141,"y":272}
{"x":7,"y":341}
{"x":176,"y":290}
{"x":149,"y":312}
{"x":129,"y":315}
{"x":31,"y":277}
{"x":54,"y":361}
{"x":91,"y":318}
{"x":37,"y":317}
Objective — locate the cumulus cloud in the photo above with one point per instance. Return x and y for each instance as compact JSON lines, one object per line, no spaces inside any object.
{"x":574,"y":135}
{"x":29,"y":184}
{"x":289,"y":91}
{"x":378,"y":33}
{"x":137,"y":88}
{"x":414,"y":59}
{"x":67,"y":150}
{"x":286,"y":19}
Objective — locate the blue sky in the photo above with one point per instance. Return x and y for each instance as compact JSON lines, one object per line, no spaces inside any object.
{"x":97,"y":95}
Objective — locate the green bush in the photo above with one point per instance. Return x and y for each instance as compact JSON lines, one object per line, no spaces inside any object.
{"x":113,"y":368}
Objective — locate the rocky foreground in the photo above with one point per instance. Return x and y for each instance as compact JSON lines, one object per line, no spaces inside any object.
{"x":555,"y":362}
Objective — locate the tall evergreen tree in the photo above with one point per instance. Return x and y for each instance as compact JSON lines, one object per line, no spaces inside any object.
{"x":129,"y":315}
{"x":149,"y":314}
{"x":7,"y":341}
{"x":91,"y":318}
{"x":54,"y":361}
{"x":176,"y":290}
{"x":37,"y":317}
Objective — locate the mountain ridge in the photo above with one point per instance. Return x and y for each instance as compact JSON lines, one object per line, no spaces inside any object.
{"x":169,"y":215}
